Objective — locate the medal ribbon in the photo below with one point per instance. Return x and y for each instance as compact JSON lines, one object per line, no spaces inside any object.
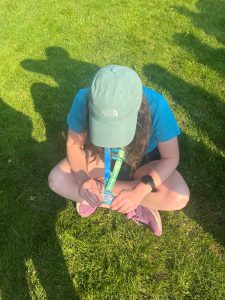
{"x":110,"y":178}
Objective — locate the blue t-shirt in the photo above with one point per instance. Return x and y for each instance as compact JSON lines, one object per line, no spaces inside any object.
{"x":163,"y":123}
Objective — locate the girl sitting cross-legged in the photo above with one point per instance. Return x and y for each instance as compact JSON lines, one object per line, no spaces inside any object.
{"x":118,"y":112}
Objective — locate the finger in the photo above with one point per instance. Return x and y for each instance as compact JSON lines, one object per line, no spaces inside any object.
{"x":119,"y":204}
{"x":86,"y":196}
{"x":94,"y":188}
{"x":92,"y":204}
{"x":123,"y":208}
{"x":128,"y":210}
{"x":97,"y":188}
{"x":98,"y":195}
{"x":116,"y":200}
{"x":93,"y":197}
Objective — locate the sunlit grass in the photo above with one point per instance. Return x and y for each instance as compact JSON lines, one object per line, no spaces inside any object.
{"x":48,"y":51}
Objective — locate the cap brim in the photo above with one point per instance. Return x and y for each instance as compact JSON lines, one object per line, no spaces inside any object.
{"x":113,"y":135}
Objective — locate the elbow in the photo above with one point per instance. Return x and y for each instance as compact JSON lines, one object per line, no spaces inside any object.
{"x":172,"y":161}
{"x":176,"y":161}
{"x":69,"y":143}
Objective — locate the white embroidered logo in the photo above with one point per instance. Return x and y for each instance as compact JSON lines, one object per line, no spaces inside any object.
{"x":110,"y":113}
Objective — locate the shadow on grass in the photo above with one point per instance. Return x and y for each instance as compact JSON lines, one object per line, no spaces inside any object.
{"x":205,"y":109}
{"x":28,"y":210}
{"x":208,"y":114}
{"x":202,"y":168}
{"x":209,"y":56}
{"x":210,"y":19}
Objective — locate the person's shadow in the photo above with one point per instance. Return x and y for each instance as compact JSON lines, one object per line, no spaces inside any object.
{"x":28,"y":209}
{"x":53,"y":103}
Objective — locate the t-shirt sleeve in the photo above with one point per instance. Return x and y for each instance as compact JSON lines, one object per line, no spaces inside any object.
{"x":165,"y":125}
{"x":77,"y":117}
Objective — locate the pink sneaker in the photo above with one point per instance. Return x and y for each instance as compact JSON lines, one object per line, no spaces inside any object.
{"x":147,"y":216}
{"x":85,"y":210}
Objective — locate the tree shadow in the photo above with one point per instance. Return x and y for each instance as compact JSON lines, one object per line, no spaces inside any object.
{"x":205,"y":109}
{"x":209,"y":18}
{"x":202,"y":168}
{"x":212,"y":24}
{"x":214,"y":58}
{"x":28,"y":214}
{"x":28,"y":210}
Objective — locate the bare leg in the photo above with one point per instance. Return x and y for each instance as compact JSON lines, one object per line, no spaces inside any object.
{"x":173,"y":194}
{"x":62,"y":181}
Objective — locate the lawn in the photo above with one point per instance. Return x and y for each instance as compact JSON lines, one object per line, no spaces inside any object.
{"x":49,"y":49}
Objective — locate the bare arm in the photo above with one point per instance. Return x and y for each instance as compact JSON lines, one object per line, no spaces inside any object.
{"x":169,"y":152}
{"x":75,"y":155}
{"x":87,"y":186}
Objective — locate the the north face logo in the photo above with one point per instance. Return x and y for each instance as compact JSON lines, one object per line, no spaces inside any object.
{"x":110,"y":113}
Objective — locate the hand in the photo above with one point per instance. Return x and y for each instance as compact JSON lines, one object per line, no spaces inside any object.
{"x":90,"y":191}
{"x":126,"y":201}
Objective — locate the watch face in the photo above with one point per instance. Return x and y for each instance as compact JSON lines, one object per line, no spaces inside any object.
{"x":146,"y":179}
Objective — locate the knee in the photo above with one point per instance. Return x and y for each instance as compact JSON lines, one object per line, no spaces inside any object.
{"x":181,"y":200}
{"x":54,"y":180}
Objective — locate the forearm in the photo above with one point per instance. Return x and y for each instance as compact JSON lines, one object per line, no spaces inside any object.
{"x":124,"y":185}
{"x":159,"y":171}
{"x":163,"y":169}
{"x":77,"y":161}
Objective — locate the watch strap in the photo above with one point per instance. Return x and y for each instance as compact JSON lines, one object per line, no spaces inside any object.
{"x":147,"y":179}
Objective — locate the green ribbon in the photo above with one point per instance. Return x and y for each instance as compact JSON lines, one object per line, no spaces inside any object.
{"x":112,"y":180}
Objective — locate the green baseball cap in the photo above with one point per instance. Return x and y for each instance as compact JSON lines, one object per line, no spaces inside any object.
{"x":114,"y":100}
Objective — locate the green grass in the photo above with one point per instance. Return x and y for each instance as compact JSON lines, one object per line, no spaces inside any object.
{"x":49,"y":49}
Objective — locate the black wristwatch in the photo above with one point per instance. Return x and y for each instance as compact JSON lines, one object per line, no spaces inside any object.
{"x":147,"y":179}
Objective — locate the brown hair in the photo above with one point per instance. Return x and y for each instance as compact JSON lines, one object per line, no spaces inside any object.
{"x":136,"y":149}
